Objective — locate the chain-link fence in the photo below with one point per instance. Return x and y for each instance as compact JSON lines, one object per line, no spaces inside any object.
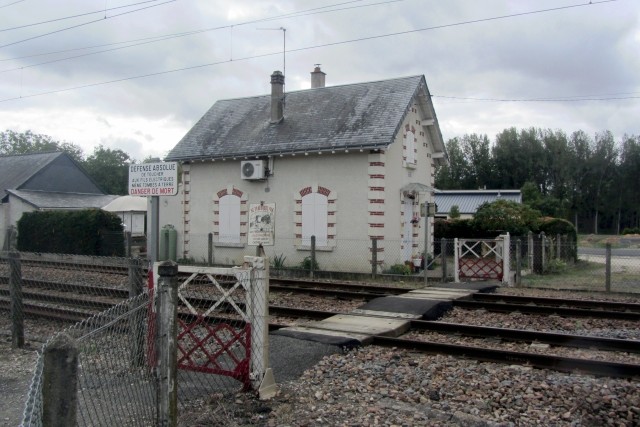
{"x":221,"y":338}
{"x":554,"y":262}
{"x":112,"y":382}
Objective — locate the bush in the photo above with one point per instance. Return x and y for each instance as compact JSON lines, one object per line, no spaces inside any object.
{"x":635,"y":230}
{"x":306,"y":264}
{"x":556,"y":266}
{"x":401,"y":269}
{"x":554,"y":226}
{"x":278,"y":261}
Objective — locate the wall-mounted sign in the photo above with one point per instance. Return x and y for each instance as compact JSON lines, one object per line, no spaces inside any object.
{"x":262,"y":224}
{"x":153,"y":179}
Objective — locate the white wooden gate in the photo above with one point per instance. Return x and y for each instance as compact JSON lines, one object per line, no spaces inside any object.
{"x":223,"y":321}
{"x":487,"y":259}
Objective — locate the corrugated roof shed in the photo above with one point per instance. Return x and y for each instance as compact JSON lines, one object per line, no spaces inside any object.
{"x":468,"y":201}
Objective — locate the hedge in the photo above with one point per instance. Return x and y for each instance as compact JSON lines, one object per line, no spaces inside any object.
{"x":83,"y":232}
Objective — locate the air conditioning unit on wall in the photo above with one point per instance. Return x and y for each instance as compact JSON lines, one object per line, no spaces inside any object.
{"x":252,"y":169}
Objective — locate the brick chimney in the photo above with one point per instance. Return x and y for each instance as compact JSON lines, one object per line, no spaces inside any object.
{"x":277,"y":97}
{"x":317,"y":77}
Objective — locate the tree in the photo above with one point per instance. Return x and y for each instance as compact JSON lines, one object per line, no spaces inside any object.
{"x":453,"y":175}
{"x":506,"y":216}
{"x":454,"y":213}
{"x":110,"y":169}
{"x":12,"y":142}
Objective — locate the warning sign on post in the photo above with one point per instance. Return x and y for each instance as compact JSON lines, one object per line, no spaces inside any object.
{"x":153,"y":179}
{"x":262,"y":221}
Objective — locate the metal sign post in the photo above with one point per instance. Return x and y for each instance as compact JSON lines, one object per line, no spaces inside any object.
{"x":429,"y":210}
{"x":153,"y":180}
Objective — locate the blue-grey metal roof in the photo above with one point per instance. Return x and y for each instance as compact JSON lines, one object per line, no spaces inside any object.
{"x":66,"y":201}
{"x":363,"y":115}
{"x":468,"y":201}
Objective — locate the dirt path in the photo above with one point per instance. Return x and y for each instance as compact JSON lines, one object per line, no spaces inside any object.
{"x":16,"y":370}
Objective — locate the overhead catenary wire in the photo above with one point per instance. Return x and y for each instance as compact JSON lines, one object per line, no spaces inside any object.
{"x":394,"y":34}
{"x":74,"y":16}
{"x":11,"y":4}
{"x":84,"y":23}
{"x":156,"y":39}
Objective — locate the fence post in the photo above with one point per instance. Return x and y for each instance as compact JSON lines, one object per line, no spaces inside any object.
{"x":15,"y":293}
{"x":543,"y":251}
{"x":60,"y":382}
{"x":374,"y":257}
{"x":537,"y":261}
{"x":167,"y":344}
{"x":518,"y":263}
{"x":558,"y":246}
{"x":210,"y":249}
{"x":607,"y":267}
{"x":530,"y":250}
{"x":128,"y":243}
{"x":136,"y":320}
{"x":443,"y":255}
{"x":313,"y":257}
{"x":506,"y":259}
{"x":456,"y":254}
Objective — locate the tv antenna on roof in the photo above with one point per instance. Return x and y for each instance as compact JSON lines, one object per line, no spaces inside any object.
{"x":284,"y":48}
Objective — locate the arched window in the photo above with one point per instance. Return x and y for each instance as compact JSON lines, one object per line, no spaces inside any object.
{"x":229,"y":219}
{"x":315,"y":218}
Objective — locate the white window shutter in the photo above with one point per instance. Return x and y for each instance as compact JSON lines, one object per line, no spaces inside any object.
{"x":410,"y":145}
{"x":314,"y":219}
{"x":229,"y":219}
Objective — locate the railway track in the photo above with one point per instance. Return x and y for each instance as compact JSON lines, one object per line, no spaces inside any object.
{"x":595,"y":367}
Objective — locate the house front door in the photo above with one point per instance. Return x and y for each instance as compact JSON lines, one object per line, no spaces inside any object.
{"x":407,"y":232}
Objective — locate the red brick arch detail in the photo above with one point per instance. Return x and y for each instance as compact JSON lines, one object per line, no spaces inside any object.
{"x":237,"y":192}
{"x":324,"y":191}
{"x":221,"y":193}
{"x":305,"y":191}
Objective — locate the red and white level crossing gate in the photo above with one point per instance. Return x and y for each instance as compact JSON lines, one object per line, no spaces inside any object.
{"x":223,"y":321}
{"x":486,"y":259}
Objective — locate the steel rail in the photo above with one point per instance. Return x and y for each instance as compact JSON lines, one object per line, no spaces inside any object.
{"x":326,"y":292}
{"x":344,"y":286}
{"x":522,"y":335}
{"x":538,"y":309}
{"x":556,"y":302}
{"x":543,"y":361}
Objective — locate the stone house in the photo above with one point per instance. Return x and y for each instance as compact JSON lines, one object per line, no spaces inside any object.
{"x":346,"y":164}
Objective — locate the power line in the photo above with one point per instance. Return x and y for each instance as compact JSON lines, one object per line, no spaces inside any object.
{"x":321,"y":46}
{"x":74,"y":16}
{"x":11,"y":4}
{"x":83,"y":24}
{"x":574,"y":98}
{"x":156,"y":39}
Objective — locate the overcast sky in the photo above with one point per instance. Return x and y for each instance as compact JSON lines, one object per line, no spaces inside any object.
{"x":485,"y":62}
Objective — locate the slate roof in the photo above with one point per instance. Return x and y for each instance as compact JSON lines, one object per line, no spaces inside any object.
{"x":15,"y":170}
{"x":66,"y":201}
{"x":363,"y":115}
{"x":468,"y":201}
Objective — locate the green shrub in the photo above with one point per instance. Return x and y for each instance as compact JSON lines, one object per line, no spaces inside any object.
{"x":635,"y":230}
{"x":306,"y":264}
{"x":556,"y":266}
{"x":401,"y":269}
{"x":278,"y":261}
